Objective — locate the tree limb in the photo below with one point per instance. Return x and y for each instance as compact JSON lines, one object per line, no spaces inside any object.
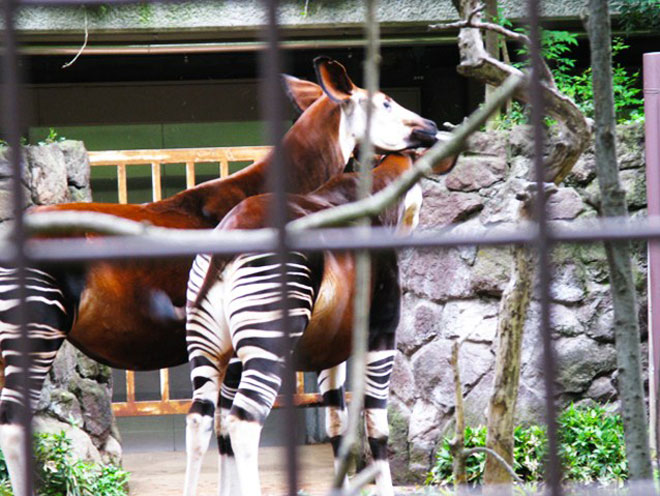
{"x":575,"y":130}
{"x":509,"y":468}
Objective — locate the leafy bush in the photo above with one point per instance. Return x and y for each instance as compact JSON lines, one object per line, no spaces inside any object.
{"x":590,"y":442}
{"x":556,"y":47}
{"x":638,"y":14}
{"x":57,"y":474}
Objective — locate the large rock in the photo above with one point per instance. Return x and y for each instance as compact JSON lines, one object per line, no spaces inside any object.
{"x":441,"y":207}
{"x":76,"y":161}
{"x":580,"y":360}
{"x":82,"y":447}
{"x":49,"y":182}
{"x":565,"y":204}
{"x":438,"y":275}
{"x":492,"y":270}
{"x":420,"y":322}
{"x":473,"y":173}
{"x":475,"y":320}
{"x":433,"y":374}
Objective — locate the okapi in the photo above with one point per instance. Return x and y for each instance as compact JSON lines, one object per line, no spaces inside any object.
{"x":129,"y":314}
{"x":234,"y":309}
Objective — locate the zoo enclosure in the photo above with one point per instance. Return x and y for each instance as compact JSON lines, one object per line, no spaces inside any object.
{"x":20,"y":252}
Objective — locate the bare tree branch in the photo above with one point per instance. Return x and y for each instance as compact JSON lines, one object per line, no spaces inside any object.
{"x":457,"y":445}
{"x":575,"y":130}
{"x":494,"y":454}
{"x":82,"y":48}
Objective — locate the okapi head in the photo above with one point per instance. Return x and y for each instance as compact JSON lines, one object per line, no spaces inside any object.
{"x":393,"y":127}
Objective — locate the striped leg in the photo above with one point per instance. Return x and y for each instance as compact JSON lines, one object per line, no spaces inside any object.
{"x":255,"y":319}
{"x":49,"y":319}
{"x":331,"y":385}
{"x":227,"y":473}
{"x":209,"y":350}
{"x":379,"y":371}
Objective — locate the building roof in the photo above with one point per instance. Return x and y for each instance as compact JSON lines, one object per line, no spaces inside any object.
{"x":240,"y":21}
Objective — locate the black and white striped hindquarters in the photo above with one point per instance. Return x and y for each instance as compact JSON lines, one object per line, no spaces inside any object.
{"x":207,"y":333}
{"x":49,"y":318}
{"x":254,"y":312}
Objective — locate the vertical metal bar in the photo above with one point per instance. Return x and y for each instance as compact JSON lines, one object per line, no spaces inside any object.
{"x":362,"y":257}
{"x":543,"y":248}
{"x":10,"y":122}
{"x":271,"y":95}
{"x":651,"y":70}
{"x":156,"y":184}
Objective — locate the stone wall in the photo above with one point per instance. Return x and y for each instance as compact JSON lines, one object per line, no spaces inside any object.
{"x":455,"y":293}
{"x":77,"y":393}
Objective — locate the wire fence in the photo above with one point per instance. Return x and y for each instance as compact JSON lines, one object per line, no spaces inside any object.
{"x":19,"y":251}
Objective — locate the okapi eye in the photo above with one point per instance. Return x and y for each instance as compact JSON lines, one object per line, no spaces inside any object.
{"x":387,"y":105}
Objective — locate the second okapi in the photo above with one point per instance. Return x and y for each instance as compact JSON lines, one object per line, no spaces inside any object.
{"x":235,"y":307}
{"x":129,"y":314}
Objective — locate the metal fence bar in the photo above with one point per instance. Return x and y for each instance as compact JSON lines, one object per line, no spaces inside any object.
{"x":270,"y":67}
{"x":10,"y":122}
{"x":190,"y":242}
{"x":542,"y":236}
{"x":553,"y":472}
{"x":652,"y":127}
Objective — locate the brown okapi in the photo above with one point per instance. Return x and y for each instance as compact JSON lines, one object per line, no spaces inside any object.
{"x":234,"y":308}
{"x":129,"y":314}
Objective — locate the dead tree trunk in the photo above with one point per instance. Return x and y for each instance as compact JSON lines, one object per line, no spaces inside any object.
{"x":613,"y":203}
{"x":574,"y":134}
{"x":493,"y":49}
{"x":501,"y":407}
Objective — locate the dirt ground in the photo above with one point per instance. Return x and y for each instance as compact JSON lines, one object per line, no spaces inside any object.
{"x":162,"y":473}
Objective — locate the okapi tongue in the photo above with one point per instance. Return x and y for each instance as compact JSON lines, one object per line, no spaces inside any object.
{"x":162,"y":308}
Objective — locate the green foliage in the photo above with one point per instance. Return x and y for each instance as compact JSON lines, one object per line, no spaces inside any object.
{"x":591,"y":449}
{"x":441,"y":473}
{"x":627,"y":104}
{"x":638,"y":15}
{"x":592,"y":445}
{"x":57,"y":474}
{"x":53,"y":137}
{"x":556,"y":49}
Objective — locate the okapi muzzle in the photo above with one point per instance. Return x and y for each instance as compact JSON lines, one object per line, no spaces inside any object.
{"x":424,"y":134}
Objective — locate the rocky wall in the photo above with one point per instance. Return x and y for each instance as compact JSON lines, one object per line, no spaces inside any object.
{"x":455,"y":294}
{"x":77,"y":393}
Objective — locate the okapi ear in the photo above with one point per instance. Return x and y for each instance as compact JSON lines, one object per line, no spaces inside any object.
{"x":301,"y":93}
{"x":333,"y":79}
